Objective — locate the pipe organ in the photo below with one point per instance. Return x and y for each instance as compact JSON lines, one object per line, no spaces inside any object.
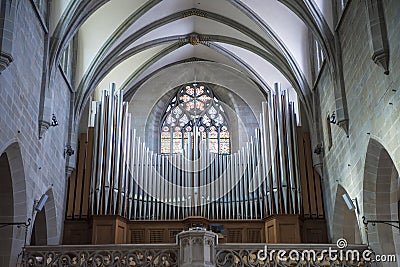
{"x":117,"y":175}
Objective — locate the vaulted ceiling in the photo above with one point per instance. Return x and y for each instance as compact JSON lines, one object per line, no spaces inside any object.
{"x":128,"y":42}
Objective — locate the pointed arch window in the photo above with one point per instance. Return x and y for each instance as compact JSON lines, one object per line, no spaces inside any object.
{"x":195,"y":110}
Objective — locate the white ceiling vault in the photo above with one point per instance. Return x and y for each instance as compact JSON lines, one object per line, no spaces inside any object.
{"x":129,"y":41}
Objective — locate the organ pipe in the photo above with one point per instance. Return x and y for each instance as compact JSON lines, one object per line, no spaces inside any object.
{"x":260,"y":179}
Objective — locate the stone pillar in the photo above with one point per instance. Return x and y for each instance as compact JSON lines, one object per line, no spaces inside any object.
{"x":7,"y":16}
{"x":197,"y":248}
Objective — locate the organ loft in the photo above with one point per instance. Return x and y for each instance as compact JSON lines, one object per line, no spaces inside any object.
{"x":264,"y":189}
{"x":183,"y":133}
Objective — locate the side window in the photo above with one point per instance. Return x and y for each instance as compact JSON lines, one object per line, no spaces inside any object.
{"x":317,"y":57}
{"x":42,"y":10}
{"x":41,"y":5}
{"x":339,"y":7}
{"x":67,"y":61}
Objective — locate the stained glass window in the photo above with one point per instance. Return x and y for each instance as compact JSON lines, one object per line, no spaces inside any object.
{"x":213,"y":139}
{"x":165,"y":140}
{"x":195,"y":109}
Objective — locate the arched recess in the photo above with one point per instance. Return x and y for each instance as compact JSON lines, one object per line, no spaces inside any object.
{"x":381,"y":198}
{"x":147,"y":95}
{"x":345,"y":223}
{"x":12,"y":204}
{"x":39,"y":229}
{"x":44,"y":229}
{"x":51,"y":219}
{"x":241,"y":119}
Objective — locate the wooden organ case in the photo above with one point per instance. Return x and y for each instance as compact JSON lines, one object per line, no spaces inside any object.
{"x":120,"y":192}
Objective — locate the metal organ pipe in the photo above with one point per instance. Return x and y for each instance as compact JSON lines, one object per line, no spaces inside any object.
{"x":296,"y":160}
{"x":289,"y":138}
{"x":95,"y":152}
{"x":281,"y":145}
{"x":266,"y":157}
{"x":253,"y":183}
{"x":109,"y":149}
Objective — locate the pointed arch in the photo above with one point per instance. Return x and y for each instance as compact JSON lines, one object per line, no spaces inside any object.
{"x":345,"y":223}
{"x":381,"y":197}
{"x":13,"y":206}
{"x":194,"y":110}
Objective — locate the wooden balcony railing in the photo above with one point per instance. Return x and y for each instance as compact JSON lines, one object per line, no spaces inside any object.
{"x":226,"y":255}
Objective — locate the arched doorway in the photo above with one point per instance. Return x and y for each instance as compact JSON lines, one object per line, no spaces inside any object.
{"x":12,"y":204}
{"x":345,"y":223}
{"x":39,"y":229}
{"x":44,"y":229}
{"x":6,"y":209}
{"x":381,"y":199}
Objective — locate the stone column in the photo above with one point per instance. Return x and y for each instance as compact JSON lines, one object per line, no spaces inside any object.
{"x":7,"y":16}
{"x":197,"y":248}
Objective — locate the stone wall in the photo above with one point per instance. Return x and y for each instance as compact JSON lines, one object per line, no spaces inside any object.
{"x":373,"y":104}
{"x":43,"y":160}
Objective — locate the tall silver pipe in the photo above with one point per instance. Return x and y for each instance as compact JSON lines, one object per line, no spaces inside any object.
{"x":153,"y":184}
{"x":103,"y":124}
{"x":242,"y":185}
{"x":266,"y":155}
{"x":256,"y":174}
{"x":116,"y":152}
{"x":241,"y":196}
{"x":236,"y":194}
{"x":145,"y":182}
{"x":109,"y":149}
{"x":281,"y":141}
{"x":215,"y":187}
{"x":125,"y":161}
{"x":296,"y":160}
{"x":168,"y":193}
{"x":201,"y":177}
{"x":273,"y":144}
{"x":179,"y":186}
{"x":132,"y":173}
{"x":208,"y":182}
{"x":289,"y":138}
{"x":195,"y":170}
{"x":174,"y":191}
{"x":164,"y":171}
{"x":160,"y":177}
{"x":137,"y":175}
{"x":141,"y":189}
{"x":96,"y":147}
{"x":262,"y":193}
{"x":229,"y":183}
{"x":249,"y":176}
{"x":185,"y":181}
{"x":166,"y":188}
{"x":220,"y":188}
{"x":224,"y":185}
{"x":170,"y":181}
{"x":190,"y":173}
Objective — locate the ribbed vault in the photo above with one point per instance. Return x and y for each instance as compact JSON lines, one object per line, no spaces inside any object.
{"x":129,"y":42}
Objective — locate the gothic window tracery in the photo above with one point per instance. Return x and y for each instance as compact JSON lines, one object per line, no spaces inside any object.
{"x":195,"y":110}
